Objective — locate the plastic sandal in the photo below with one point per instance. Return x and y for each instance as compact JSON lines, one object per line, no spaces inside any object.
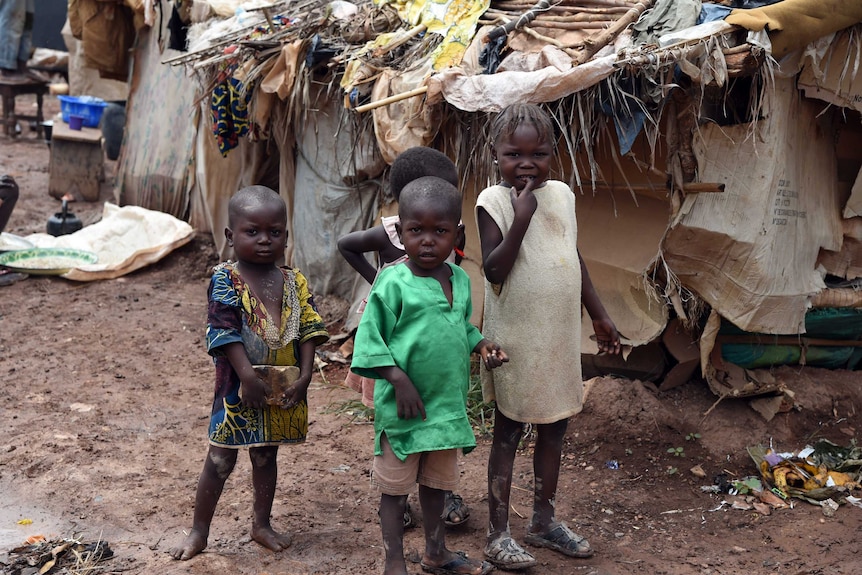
{"x":561,"y":538}
{"x":505,"y":553}
{"x":455,"y":504}
{"x":459,"y":565}
{"x":409,"y":520}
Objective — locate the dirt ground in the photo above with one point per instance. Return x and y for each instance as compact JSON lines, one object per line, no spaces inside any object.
{"x":106,"y":394}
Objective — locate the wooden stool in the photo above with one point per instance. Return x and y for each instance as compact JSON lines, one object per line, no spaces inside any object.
{"x":77,"y":162}
{"x":9,"y":92}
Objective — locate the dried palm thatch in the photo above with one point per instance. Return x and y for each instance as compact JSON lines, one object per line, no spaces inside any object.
{"x":69,"y":556}
{"x":370,"y":23}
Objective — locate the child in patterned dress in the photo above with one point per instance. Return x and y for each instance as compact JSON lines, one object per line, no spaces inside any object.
{"x":259,"y":315}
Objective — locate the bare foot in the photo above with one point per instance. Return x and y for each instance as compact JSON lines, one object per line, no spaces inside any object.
{"x":194,"y":544}
{"x":270,"y":539}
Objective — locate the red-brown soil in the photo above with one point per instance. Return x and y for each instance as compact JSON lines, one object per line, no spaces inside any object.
{"x":106,"y":394}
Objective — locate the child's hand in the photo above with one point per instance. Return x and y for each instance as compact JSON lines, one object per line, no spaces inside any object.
{"x":524,"y":200}
{"x":492,"y":355}
{"x":253,"y":392}
{"x":408,"y":400}
{"x":297,"y":392}
{"x":607,"y":337}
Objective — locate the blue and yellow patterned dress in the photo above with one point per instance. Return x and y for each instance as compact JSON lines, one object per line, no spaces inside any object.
{"x":234,"y":315}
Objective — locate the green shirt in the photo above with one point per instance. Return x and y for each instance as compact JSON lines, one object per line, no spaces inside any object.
{"x":409,"y":323}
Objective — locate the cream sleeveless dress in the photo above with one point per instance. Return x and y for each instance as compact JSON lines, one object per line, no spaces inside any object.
{"x":535,"y":315}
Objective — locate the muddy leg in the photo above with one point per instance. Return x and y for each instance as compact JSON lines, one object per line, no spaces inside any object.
{"x":392,"y":509}
{"x":546,"y":467}
{"x":218,"y":466}
{"x":264,"y":476}
{"x":507,"y":434}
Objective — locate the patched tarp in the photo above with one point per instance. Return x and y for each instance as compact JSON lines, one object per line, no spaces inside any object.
{"x":493,"y":92}
{"x":751,"y":251}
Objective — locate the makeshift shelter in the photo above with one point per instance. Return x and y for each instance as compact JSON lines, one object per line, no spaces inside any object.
{"x":710,"y":190}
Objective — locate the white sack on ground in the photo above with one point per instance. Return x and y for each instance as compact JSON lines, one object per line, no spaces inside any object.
{"x":125,"y":239}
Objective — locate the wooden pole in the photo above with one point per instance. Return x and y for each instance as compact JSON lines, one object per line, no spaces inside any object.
{"x":391,"y":99}
{"x":522,"y":21}
{"x":599,"y":41}
{"x":412,"y":33}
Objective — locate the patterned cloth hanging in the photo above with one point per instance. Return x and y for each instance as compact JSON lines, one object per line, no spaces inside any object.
{"x":229,"y":111}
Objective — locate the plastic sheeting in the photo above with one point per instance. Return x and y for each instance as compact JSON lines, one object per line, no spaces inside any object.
{"x":493,"y":92}
{"x":820,"y":325}
{"x":665,"y":16}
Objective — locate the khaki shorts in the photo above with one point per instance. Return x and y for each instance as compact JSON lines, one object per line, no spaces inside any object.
{"x":434,"y":469}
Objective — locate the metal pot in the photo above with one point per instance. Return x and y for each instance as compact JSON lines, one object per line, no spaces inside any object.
{"x":64,"y":222}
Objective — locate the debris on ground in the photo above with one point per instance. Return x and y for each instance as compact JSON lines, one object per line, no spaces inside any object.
{"x":824,"y":472}
{"x":56,"y":556}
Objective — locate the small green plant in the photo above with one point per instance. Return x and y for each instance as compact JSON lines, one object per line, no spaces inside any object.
{"x":692,"y":437}
{"x":352,"y":408}
{"x":676,"y":451}
{"x":481,"y":414}
{"x":671,"y":470}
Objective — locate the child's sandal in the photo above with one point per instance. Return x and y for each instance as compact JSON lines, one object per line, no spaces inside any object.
{"x":562,"y":539}
{"x":454,"y":506}
{"x":505,"y":553}
{"x":409,"y":520}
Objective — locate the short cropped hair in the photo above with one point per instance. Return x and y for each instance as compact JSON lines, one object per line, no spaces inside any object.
{"x":514,"y":115}
{"x":430,"y":191}
{"x":252,"y":196}
{"x":417,"y":162}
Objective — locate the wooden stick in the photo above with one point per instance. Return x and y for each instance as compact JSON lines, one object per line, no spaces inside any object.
{"x":557,"y":9}
{"x":599,"y":41}
{"x":410,"y":34}
{"x":546,"y":39}
{"x":520,"y":6}
{"x":572,"y":25}
{"x":522,"y":21}
{"x":580,"y":16}
{"x":391,"y":99}
{"x":737,"y":49}
{"x":541,"y":37}
{"x":576,"y":18}
{"x":702,"y":187}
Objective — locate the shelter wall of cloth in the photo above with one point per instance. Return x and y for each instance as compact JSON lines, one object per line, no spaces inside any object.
{"x":338,"y":180}
{"x":618,"y":241}
{"x":154,"y":166}
{"x":622,"y":218}
{"x":218,"y":177}
{"x":751,"y":251}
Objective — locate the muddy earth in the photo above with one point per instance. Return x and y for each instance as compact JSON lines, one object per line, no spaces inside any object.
{"x":106,"y":394}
